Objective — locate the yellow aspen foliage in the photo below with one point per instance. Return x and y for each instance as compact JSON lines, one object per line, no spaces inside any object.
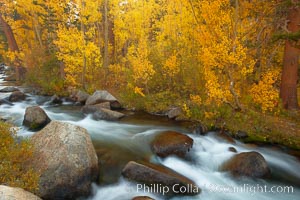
{"x":117,"y":76}
{"x":196,"y":99}
{"x":186,"y":110}
{"x":210,"y":115}
{"x":71,"y":51}
{"x":171,"y":67}
{"x":142,"y":68}
{"x":225,"y":59}
{"x":132,"y":20}
{"x":265,"y":94}
{"x":139,"y":91}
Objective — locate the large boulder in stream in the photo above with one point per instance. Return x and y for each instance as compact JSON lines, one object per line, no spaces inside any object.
{"x":249,"y":164}
{"x":35,"y":118}
{"x":106,"y":114}
{"x":11,"y":193}
{"x":101,"y":96}
{"x":66,"y":158}
{"x":171,"y":143}
{"x":159,"y":179}
{"x":9,"y":89}
{"x":101,"y":111}
{"x":17,"y":96}
{"x":89,"y":109}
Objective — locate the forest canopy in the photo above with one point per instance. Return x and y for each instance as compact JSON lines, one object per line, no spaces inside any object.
{"x":205,"y":56}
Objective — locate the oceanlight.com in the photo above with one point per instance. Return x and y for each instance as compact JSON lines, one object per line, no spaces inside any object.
{"x":250,"y":189}
{"x":214,"y":188}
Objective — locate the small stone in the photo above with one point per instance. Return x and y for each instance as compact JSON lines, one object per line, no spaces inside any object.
{"x":232,"y":149}
{"x":241,"y":135}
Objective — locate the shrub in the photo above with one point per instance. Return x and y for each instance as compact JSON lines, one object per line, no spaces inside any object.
{"x":14,"y":155}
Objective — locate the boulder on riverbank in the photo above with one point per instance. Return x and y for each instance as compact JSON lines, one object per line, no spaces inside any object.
{"x":66,"y":158}
{"x":9,"y":89}
{"x":101,"y":96}
{"x":81,"y":96}
{"x":174,"y":112}
{"x":159,"y":179}
{"x":171,"y":143}
{"x":249,"y":164}
{"x":17,"y":96}
{"x":10,"y":193}
{"x":55,"y":100}
{"x":35,"y":118}
{"x":241,"y":135}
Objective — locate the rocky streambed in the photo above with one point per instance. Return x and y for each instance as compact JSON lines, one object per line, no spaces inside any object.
{"x":87,"y":148}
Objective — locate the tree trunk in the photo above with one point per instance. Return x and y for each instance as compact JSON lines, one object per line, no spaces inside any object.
{"x":106,"y":61}
{"x":83,"y":81}
{"x":13,"y":46}
{"x":288,"y":88}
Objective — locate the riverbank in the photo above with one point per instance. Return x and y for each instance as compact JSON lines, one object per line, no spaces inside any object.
{"x":277,"y":128}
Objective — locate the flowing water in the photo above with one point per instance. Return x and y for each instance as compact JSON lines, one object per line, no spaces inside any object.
{"x":119,"y":142}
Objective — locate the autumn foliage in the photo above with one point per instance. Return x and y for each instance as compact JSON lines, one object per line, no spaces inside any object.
{"x":204,"y":56}
{"x":14,"y":155}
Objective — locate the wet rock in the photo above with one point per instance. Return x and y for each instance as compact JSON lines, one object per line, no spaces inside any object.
{"x":241,"y":135}
{"x":198,"y":128}
{"x":9,"y":89}
{"x":224,"y":136}
{"x":174,"y":112}
{"x":232,"y":149}
{"x":3,"y":119}
{"x":55,"y":100}
{"x":89,"y":109}
{"x":249,"y":164}
{"x":2,"y":67}
{"x":106,"y":114}
{"x":171,"y":143}
{"x":35,"y":118}
{"x":66,"y":158}
{"x":40,"y":100}
{"x":100,"y":96}
{"x":81,"y":96}
{"x":115,"y":105}
{"x":142,"y":198}
{"x":17,"y":96}
{"x":11,"y":193}
{"x":161,"y":179}
{"x":5,"y":101}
